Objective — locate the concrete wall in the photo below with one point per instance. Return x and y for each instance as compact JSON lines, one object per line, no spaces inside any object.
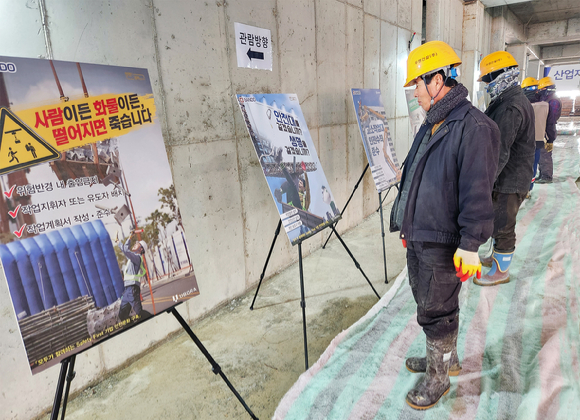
{"x":321,"y":48}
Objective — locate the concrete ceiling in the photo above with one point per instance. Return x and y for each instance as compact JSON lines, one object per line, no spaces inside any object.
{"x":538,"y":11}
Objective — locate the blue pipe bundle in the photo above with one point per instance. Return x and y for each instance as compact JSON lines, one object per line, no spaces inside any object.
{"x":53,"y":268}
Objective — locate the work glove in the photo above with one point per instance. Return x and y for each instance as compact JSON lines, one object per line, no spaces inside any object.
{"x":404,"y":243}
{"x":549,"y":147}
{"x":466,"y":264}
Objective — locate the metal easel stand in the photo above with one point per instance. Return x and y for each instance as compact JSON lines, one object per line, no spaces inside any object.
{"x":67,"y":372}
{"x":380,"y":210}
{"x":216,"y":369}
{"x":301,"y":269}
{"x":348,"y":201}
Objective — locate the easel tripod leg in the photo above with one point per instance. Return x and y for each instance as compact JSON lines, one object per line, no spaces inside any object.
{"x":348,"y":201}
{"x":59,"y":389}
{"x":216,"y":369}
{"x":354,"y":260}
{"x":383,"y":236}
{"x":303,"y":305}
{"x":69,"y":377}
{"x":266,"y":264}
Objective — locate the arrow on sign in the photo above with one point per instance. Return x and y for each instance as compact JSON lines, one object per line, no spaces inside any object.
{"x":255,"y":55}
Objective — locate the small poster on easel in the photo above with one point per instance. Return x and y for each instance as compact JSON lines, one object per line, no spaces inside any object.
{"x":91,"y":236}
{"x":290,"y":163}
{"x":376,"y":137}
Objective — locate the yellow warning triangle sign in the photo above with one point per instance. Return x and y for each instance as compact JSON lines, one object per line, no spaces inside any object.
{"x":20,"y":147}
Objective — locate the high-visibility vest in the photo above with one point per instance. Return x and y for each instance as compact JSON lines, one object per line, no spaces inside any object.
{"x":134,"y":279}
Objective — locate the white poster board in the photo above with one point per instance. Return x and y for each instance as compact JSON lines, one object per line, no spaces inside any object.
{"x":376,"y":137}
{"x":290,"y":163}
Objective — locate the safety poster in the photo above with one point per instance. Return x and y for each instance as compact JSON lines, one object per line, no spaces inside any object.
{"x":91,"y":237}
{"x":290,"y":163}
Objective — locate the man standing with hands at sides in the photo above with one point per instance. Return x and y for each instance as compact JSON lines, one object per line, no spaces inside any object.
{"x":514,"y":115}
{"x":443,"y":210}
{"x":133,"y":274}
{"x":547,"y":92}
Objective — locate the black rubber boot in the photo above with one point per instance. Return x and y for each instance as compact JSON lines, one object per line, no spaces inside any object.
{"x":435,"y":383}
{"x":419,"y":364}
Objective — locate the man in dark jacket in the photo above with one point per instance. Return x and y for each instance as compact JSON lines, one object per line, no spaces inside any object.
{"x":547,"y":90}
{"x":514,"y":115}
{"x":443,"y":210}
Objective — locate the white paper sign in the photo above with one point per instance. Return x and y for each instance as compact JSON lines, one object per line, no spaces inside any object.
{"x":253,"y":47}
{"x":566,"y":77}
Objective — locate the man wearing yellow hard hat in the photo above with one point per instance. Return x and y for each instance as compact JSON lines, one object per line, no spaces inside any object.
{"x":547,"y":89}
{"x":443,"y":210}
{"x":514,"y":116}
{"x":530,"y":87}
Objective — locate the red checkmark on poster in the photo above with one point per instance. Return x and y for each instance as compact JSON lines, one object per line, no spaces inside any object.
{"x":19,"y":231}
{"x":15,"y":212}
{"x":9,"y":193}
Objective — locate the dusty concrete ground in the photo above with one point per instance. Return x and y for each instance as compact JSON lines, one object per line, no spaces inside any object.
{"x":261,"y":351}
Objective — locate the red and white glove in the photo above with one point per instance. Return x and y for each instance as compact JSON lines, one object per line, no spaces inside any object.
{"x":467,"y":264}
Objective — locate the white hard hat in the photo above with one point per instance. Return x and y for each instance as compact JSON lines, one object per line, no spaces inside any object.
{"x":143,"y":245}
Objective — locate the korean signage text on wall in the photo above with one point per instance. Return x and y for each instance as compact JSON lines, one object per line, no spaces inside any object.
{"x":253,"y":47}
{"x":566,"y":77}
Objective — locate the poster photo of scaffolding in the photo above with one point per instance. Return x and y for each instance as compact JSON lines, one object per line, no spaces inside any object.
{"x":376,"y":137}
{"x":290,"y":163}
{"x":91,"y":236}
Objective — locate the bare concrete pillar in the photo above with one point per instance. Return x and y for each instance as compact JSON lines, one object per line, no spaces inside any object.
{"x":520,"y":53}
{"x":498,"y":28}
{"x":474,"y":31}
{"x":434,"y":20}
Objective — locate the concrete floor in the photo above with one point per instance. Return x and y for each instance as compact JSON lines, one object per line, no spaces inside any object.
{"x":261,"y":351}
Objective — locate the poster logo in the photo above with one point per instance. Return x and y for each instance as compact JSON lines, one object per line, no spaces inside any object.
{"x":20,"y":147}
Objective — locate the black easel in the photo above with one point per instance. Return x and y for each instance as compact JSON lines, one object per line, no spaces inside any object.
{"x":302,"y":299}
{"x":348,"y":201}
{"x":67,"y":372}
{"x":380,"y":209}
{"x":381,"y":200}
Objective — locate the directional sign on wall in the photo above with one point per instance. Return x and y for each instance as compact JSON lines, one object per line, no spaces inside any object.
{"x":253,"y":47}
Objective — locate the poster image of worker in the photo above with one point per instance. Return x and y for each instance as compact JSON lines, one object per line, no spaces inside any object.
{"x":376,"y":137}
{"x":290,"y":163}
{"x":91,"y":236}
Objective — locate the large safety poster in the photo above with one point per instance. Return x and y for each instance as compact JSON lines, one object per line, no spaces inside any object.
{"x":376,"y":137}
{"x":290,"y":163}
{"x":91,"y":237}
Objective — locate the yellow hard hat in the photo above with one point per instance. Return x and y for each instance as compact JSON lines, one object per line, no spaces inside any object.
{"x":496,"y":61}
{"x":430,"y":56}
{"x":529,"y":81}
{"x":545,"y":82}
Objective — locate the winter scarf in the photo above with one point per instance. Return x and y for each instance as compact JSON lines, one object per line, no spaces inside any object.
{"x":443,"y":108}
{"x":502,"y":82}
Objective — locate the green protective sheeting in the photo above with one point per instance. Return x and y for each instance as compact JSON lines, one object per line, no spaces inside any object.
{"x":519,"y":343}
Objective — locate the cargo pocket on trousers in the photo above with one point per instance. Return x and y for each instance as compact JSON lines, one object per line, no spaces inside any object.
{"x":443,"y":295}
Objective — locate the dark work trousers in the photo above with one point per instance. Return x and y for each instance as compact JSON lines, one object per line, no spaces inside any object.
{"x":546,"y":165}
{"x":505,"y":210}
{"x":131,"y":299}
{"x":435,"y":287}
{"x":539,"y":147}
